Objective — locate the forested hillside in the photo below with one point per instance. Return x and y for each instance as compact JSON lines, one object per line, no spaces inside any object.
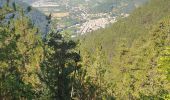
{"x":138,"y":24}
{"x":130,"y":60}
{"x":133,"y":48}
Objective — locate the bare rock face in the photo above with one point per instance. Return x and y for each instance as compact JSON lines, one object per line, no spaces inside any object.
{"x":37,"y":17}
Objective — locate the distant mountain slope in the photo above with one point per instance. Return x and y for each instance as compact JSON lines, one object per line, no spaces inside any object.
{"x":125,"y":6}
{"x":129,"y":29}
{"x":37,"y":17}
{"x":97,"y":6}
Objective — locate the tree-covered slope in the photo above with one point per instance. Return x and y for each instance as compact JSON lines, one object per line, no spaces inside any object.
{"x":137,"y":24}
{"x":51,"y":68}
{"x":131,"y":58}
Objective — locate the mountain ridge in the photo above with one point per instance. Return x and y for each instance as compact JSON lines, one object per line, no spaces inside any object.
{"x":138,"y":23}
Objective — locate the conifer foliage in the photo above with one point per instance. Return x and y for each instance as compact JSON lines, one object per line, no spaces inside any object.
{"x":59,"y":67}
{"x":20,"y":53}
{"x":56,"y":67}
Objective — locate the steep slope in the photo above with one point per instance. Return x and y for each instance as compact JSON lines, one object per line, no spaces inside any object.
{"x":37,"y":17}
{"x":134,"y":69}
{"x":129,"y":29}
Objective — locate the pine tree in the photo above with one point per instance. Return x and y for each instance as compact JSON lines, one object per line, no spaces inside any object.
{"x":60,"y":65}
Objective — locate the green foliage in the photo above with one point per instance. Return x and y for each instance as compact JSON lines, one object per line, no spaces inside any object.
{"x":20,"y":53}
{"x":137,"y":24}
{"x":97,"y":74}
{"x":130,"y":61}
{"x":165,"y":62}
{"x":133,"y":47}
{"x":59,"y":67}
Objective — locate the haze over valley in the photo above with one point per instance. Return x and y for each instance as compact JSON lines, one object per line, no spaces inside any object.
{"x":82,"y":16}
